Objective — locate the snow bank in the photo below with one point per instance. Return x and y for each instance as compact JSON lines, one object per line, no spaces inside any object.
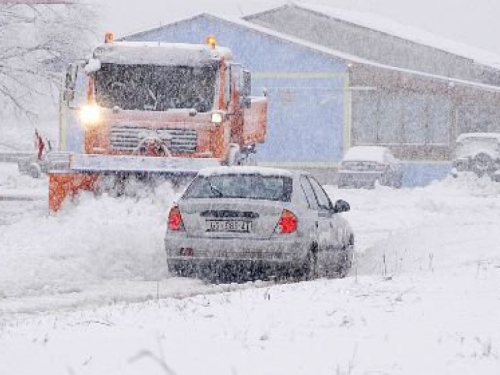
{"x":448,"y":225}
{"x":87,"y":243}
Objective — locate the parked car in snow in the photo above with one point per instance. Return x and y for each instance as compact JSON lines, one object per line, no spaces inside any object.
{"x":254,"y":222}
{"x":362,"y":166}
{"x":478,"y":153}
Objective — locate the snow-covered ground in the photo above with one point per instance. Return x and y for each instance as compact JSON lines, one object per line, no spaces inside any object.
{"x":86,"y":292}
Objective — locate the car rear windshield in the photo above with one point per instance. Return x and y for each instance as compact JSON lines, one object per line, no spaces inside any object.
{"x":249,"y":186}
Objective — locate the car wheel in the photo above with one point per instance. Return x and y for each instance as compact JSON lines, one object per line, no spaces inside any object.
{"x":482,"y":164}
{"x":346,"y":259}
{"x":310,"y":269}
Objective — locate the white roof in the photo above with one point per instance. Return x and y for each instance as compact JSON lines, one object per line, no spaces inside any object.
{"x":366,"y":153}
{"x":350,"y":58}
{"x":387,"y":26}
{"x":465,"y":136}
{"x":158,"y":53}
{"x":264,"y":171}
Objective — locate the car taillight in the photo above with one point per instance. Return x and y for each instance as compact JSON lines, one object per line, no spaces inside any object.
{"x":175,"y":222}
{"x":288,"y":222}
{"x":380,"y":167}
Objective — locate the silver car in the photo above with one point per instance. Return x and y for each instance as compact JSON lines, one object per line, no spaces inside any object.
{"x":247,"y":223}
{"x":362,"y":166}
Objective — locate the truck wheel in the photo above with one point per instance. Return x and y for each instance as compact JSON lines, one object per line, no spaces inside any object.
{"x":347,"y":259}
{"x":34,"y":170}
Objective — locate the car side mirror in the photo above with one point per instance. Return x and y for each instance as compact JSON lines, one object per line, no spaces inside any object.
{"x":341,"y":206}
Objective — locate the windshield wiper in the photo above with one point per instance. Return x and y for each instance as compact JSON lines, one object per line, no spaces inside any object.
{"x":215,"y":189}
{"x":152,"y":96}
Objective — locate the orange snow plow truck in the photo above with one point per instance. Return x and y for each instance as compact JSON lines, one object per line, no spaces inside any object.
{"x":137,"y":109}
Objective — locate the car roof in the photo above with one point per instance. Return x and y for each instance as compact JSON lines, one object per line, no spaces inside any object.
{"x":264,"y":171}
{"x":366,"y":153}
{"x":462,"y":137}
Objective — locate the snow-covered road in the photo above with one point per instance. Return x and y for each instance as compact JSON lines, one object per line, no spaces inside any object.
{"x":86,"y":292}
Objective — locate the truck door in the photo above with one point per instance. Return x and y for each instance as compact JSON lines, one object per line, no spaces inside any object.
{"x":254,"y":110}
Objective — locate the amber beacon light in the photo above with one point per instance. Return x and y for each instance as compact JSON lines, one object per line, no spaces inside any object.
{"x":211,"y":41}
{"x":109,"y":37}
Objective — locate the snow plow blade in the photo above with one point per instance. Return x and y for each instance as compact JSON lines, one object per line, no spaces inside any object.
{"x":81,"y":172}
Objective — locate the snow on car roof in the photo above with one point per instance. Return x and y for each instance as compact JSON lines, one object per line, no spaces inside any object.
{"x":462,"y":137}
{"x":264,"y":171}
{"x":166,"y":54}
{"x":366,"y":153}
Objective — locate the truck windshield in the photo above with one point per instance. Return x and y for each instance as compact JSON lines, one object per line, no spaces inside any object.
{"x":156,"y":88}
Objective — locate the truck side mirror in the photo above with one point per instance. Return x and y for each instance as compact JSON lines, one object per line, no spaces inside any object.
{"x":246,"y":89}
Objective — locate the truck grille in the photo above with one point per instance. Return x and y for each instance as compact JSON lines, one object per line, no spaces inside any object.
{"x":178,"y":140}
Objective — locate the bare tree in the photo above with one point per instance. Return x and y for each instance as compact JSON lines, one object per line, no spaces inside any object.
{"x":36,"y":42}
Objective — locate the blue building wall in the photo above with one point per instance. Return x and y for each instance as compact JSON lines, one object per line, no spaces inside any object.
{"x":305,"y":88}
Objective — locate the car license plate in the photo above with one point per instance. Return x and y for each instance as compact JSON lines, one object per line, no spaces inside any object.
{"x":228,"y":226}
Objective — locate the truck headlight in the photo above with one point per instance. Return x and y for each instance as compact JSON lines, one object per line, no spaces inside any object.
{"x":217,"y":117}
{"x":90,"y":115}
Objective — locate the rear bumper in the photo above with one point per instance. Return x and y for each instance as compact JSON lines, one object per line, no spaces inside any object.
{"x":236,"y":270}
{"x":233,"y":251}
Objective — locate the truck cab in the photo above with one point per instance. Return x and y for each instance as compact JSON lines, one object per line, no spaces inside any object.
{"x":192,"y":100}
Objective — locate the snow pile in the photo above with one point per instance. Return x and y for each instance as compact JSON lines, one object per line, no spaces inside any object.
{"x":88,"y":242}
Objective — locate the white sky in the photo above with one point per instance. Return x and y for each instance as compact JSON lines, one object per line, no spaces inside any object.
{"x":471,"y":22}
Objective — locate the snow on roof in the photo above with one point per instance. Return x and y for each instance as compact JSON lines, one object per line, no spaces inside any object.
{"x":264,"y":171}
{"x":387,"y":26}
{"x":345,"y":56}
{"x":158,"y":53}
{"x":366,"y":153}
{"x":464,"y":136}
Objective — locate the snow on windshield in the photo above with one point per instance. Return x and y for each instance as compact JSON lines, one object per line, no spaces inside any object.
{"x":156,"y":88}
